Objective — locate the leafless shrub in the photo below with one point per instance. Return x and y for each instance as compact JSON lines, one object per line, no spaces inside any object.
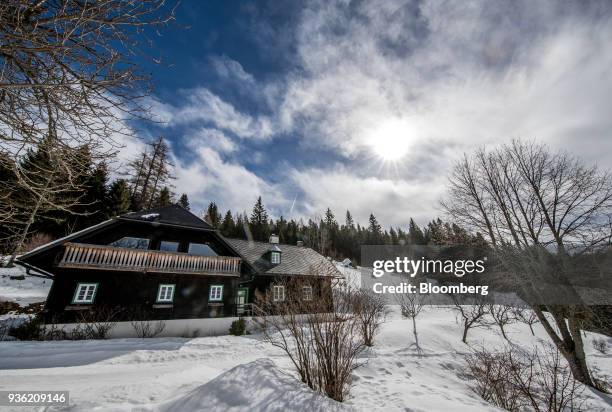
{"x":526,"y":316}
{"x":516,"y":380}
{"x":144,"y":327}
{"x":321,"y":336}
{"x":370,"y":309}
{"x":502,"y":315}
{"x":600,"y":346}
{"x":471,"y":313}
{"x":95,"y":324}
{"x":411,"y":305}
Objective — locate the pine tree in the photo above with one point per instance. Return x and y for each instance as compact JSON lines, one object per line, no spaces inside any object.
{"x":350,"y":224}
{"x":164,"y":198}
{"x":212,"y":216}
{"x":228,"y":226}
{"x":259,"y":222}
{"x":374,"y":231}
{"x":415,"y":233}
{"x":119,"y":198}
{"x":184,"y":201}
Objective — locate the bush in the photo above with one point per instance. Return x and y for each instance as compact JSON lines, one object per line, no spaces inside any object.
{"x":516,"y":380}
{"x":238,"y":327}
{"x":30,"y":329}
{"x":600,"y":346}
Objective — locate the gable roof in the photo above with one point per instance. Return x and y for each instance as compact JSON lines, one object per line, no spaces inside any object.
{"x":169,"y":215}
{"x":295,"y":260}
{"x":173,"y":215}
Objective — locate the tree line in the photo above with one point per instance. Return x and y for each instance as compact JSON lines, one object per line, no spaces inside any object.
{"x":331,"y":238}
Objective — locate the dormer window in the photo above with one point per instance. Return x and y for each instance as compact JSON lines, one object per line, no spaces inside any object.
{"x":275,"y":258}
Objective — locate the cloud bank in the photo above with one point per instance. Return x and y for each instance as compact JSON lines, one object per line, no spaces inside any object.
{"x":427,"y":80}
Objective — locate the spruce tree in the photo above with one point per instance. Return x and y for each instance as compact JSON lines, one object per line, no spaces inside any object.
{"x":415,"y":233}
{"x":119,"y":198}
{"x":259,"y":222}
{"x":374,"y":231}
{"x":228,"y":226}
{"x":184,"y":201}
{"x":212,"y":216}
{"x":164,"y":198}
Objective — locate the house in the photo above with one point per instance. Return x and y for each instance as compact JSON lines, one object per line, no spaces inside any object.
{"x":166,"y":263}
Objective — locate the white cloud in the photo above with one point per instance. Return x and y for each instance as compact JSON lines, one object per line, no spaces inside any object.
{"x":229,"y":184}
{"x":447,"y":76}
{"x":388,"y":199}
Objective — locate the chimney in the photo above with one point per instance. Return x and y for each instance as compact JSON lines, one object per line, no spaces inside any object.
{"x":300,"y":243}
{"x":274,"y":239}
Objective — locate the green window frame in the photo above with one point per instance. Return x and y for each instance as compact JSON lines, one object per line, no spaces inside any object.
{"x":162,"y":293}
{"x":275,"y":258}
{"x":215,"y":293}
{"x":85,"y":293}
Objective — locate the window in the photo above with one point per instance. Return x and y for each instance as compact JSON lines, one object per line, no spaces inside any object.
{"x":200,"y":249}
{"x":216,"y":293}
{"x":168,"y":246}
{"x":85,"y":293}
{"x":131,"y":243}
{"x":307,"y":292}
{"x":275,"y":258}
{"x":165,"y":293}
{"x":278,"y":293}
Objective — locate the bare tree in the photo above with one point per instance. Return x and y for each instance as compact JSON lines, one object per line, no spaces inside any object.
{"x":526,"y":316}
{"x":68,"y":79}
{"x":471,"y":312}
{"x":538,"y":209}
{"x":411,"y":305}
{"x":149,"y":172}
{"x":502,"y":315}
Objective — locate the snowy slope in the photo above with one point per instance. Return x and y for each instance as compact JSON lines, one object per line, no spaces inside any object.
{"x":157,"y":374}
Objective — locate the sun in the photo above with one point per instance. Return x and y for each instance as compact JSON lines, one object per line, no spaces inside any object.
{"x":390,"y":140}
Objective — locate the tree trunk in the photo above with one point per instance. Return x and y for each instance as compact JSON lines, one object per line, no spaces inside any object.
{"x":416,"y":336}
{"x":571,"y":346}
{"x":466,"y":327}
{"x":501,"y":327}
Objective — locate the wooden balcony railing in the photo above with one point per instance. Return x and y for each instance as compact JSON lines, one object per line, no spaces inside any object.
{"x":83,"y":256}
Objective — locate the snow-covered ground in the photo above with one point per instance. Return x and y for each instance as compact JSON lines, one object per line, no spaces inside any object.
{"x":231,"y":373}
{"x":245,"y":373}
{"x":23,"y":291}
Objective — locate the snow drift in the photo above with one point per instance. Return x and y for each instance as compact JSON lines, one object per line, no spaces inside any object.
{"x":254,"y":386}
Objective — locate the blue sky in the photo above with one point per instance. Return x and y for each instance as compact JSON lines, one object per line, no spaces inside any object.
{"x":366,"y":105}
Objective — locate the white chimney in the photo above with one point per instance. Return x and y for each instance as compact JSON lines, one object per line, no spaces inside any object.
{"x":274,"y":239}
{"x":300,"y":243}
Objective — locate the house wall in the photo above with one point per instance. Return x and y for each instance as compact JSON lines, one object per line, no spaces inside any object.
{"x":262,"y":283}
{"x":132,"y":294}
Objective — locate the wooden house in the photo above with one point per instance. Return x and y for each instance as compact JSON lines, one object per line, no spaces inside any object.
{"x":166,"y":263}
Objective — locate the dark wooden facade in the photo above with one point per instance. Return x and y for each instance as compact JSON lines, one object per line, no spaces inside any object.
{"x":128,"y":280}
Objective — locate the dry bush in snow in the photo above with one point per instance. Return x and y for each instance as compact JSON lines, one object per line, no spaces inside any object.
{"x":370,"y":309}
{"x":316,"y":328}
{"x":517,"y":380}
